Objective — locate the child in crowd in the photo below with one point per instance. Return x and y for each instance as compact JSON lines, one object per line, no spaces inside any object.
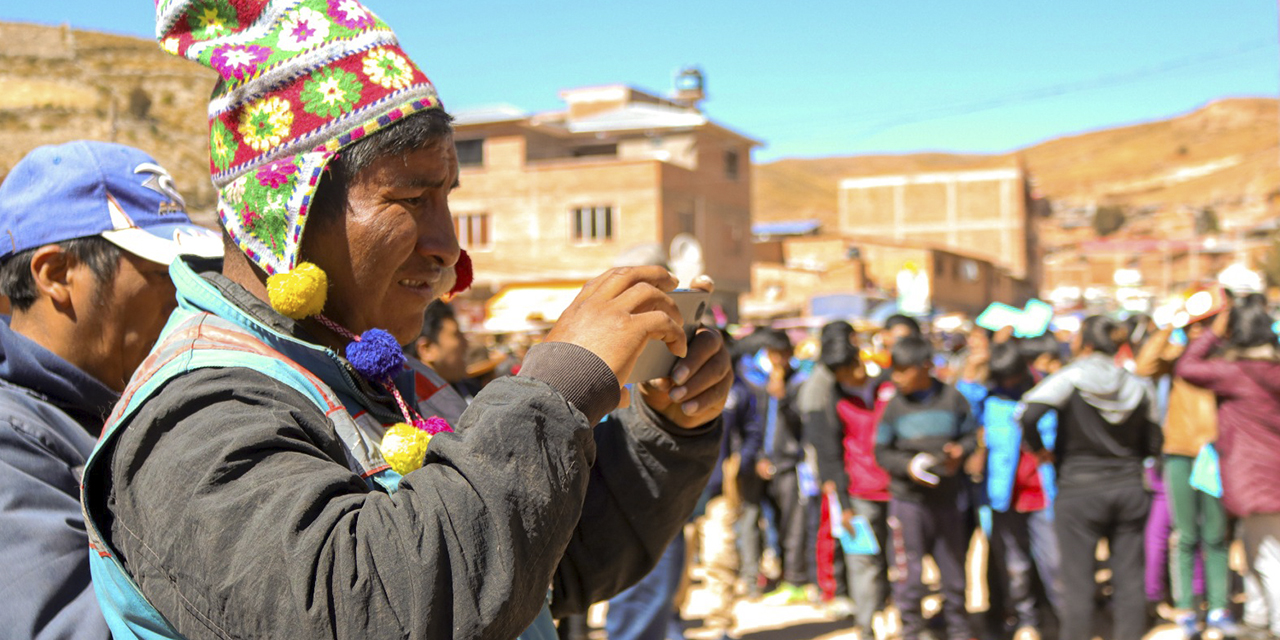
{"x":925,"y":433}
{"x":1022,"y":538}
{"x":845,"y":449}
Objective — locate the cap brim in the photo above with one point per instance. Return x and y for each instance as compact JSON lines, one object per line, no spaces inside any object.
{"x":164,"y":243}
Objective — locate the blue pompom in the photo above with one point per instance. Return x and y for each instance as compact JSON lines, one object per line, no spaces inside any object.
{"x":376,"y":355}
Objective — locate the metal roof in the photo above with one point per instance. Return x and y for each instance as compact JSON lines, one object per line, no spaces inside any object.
{"x":786,"y":228}
{"x":489,"y":114}
{"x":638,"y":117}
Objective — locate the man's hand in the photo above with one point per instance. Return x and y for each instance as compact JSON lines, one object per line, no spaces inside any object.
{"x":777,"y":386}
{"x":1222,"y":323}
{"x":764,"y":468}
{"x":699,"y":384}
{"x":954,"y":457}
{"x":617,"y":313}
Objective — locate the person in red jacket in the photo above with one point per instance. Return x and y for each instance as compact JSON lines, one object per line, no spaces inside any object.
{"x":842,"y":431}
{"x":1246,"y":381}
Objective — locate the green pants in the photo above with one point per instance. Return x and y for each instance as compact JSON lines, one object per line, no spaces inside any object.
{"x":1199,"y":520}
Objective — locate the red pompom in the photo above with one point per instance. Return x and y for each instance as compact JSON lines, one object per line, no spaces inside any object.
{"x":463,"y":272}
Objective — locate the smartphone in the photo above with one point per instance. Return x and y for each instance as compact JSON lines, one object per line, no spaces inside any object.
{"x":656,"y":360}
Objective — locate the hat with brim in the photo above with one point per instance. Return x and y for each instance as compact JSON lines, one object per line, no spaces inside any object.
{"x":163,"y":244}
{"x":85,"y":188}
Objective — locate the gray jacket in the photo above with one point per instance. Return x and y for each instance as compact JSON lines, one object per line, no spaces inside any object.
{"x":235,"y":511}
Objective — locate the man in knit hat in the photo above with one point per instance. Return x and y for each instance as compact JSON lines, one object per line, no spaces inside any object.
{"x":89,"y":230}
{"x":276,"y":469}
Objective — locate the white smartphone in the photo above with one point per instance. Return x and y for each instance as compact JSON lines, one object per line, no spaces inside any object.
{"x":656,"y":360}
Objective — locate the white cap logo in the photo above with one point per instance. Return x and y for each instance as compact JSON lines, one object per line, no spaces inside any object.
{"x":162,"y":183}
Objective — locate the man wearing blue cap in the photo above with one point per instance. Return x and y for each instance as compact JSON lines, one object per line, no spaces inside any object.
{"x":87,"y":231}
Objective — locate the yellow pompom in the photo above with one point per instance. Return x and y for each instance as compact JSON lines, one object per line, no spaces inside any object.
{"x":299,"y":293}
{"x":404,"y":447}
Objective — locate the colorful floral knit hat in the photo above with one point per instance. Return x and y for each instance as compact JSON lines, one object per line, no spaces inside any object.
{"x":301,"y":79}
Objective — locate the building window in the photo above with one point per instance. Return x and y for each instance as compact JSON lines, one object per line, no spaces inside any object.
{"x":596,"y":150}
{"x":591,"y":224}
{"x":470,"y":152}
{"x":472,"y":230}
{"x":731,"y":165}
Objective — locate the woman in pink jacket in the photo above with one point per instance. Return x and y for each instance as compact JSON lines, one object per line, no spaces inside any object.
{"x":1246,"y":381}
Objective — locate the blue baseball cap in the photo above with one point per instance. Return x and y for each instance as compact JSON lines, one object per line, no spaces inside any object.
{"x":85,"y":188}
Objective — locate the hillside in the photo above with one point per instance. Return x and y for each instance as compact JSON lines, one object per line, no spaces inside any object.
{"x":1225,"y":154}
{"x":59,"y":84}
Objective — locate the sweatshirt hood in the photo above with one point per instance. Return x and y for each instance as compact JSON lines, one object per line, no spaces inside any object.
{"x":1107,"y":387}
{"x":44,"y":374}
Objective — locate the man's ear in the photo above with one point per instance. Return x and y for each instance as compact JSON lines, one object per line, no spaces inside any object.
{"x":422,"y":349}
{"x":51,"y":269}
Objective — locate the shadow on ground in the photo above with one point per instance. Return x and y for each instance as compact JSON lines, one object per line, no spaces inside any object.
{"x":803,"y":630}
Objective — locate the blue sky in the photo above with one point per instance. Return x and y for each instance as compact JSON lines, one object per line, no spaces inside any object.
{"x":826,"y":77}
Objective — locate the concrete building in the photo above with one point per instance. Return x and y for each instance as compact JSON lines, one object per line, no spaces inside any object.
{"x":793,"y":275}
{"x":983,"y":213}
{"x":559,"y":196}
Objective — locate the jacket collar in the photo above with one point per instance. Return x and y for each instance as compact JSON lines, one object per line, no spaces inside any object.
{"x":46,"y":376}
{"x":214,"y":293}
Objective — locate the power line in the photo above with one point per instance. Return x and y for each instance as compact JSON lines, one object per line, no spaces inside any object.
{"x":879,"y":124}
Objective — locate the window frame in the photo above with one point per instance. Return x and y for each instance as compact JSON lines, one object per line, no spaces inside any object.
{"x":584,"y":233}
{"x":466,"y":222}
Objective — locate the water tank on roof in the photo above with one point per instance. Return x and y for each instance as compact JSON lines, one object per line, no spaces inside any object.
{"x":690,"y":86}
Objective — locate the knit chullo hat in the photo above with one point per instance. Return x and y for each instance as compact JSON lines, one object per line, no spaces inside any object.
{"x":301,"y":79}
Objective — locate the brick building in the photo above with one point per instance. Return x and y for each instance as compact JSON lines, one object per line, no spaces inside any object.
{"x":983,"y":213}
{"x":554,"y":197}
{"x":792,"y":274}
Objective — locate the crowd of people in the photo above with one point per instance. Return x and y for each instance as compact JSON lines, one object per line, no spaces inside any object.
{"x":261,"y":433}
{"x":1137,"y":453}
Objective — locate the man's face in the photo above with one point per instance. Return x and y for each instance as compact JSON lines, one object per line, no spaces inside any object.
{"x":129,"y":313}
{"x":910,"y":380}
{"x":387,"y":254}
{"x":448,"y":354}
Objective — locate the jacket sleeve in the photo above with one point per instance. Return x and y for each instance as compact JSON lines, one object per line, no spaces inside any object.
{"x":752,"y":422}
{"x":823,"y":429}
{"x":1150,"y":361}
{"x":648,"y":476}
{"x":1195,"y":366}
{"x":890,"y":458}
{"x":46,"y":592}
{"x":237,"y":518}
{"x":968,"y":426}
{"x":1029,"y":416}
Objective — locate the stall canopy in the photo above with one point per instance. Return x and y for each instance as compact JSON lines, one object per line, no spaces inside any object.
{"x":528,"y":307}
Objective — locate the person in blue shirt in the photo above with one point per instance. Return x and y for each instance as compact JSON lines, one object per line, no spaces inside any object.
{"x":1022,"y":538}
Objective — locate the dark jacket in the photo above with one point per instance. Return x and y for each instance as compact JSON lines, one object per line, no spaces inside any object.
{"x":784,"y":447}
{"x":236,"y":513}
{"x":1248,"y":393}
{"x":924,"y":422}
{"x":1107,"y":423}
{"x":50,"y":415}
{"x":816,"y":401}
{"x":743,"y":434}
